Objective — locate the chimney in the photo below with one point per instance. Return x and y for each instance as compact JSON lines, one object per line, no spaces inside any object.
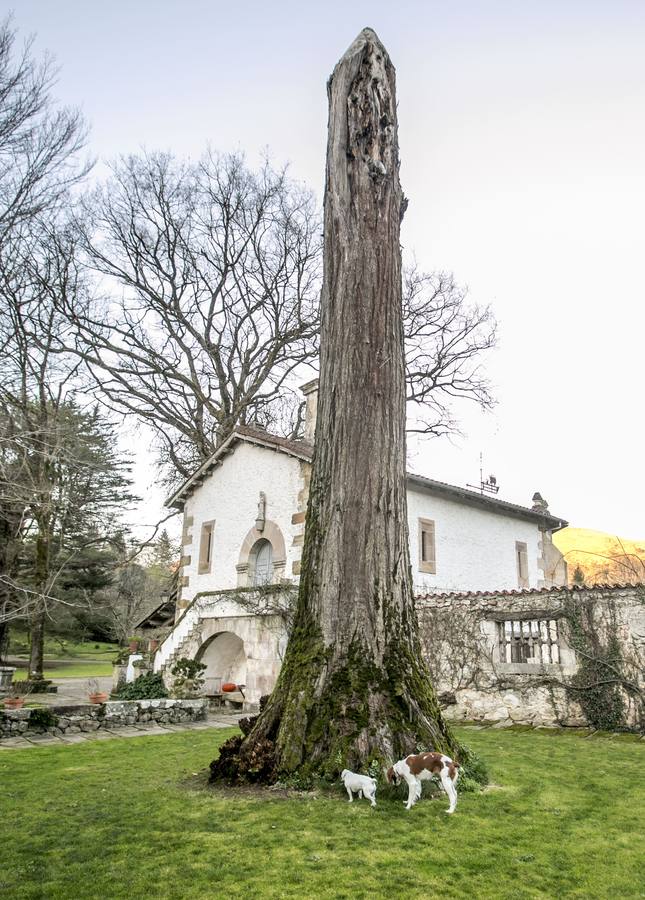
{"x":310,"y":392}
{"x":539,"y":503}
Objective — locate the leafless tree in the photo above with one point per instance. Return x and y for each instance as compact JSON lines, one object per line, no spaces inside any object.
{"x":218,"y":273}
{"x":58,"y":475}
{"x":40,"y":145}
{"x":210,"y":281}
{"x":39,"y":142}
{"x":446,"y":340}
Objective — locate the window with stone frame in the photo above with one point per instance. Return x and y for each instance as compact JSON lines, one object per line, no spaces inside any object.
{"x":522,"y":560}
{"x":206,"y":548}
{"x":261,"y":563}
{"x":533,"y":641}
{"x":427,"y":550}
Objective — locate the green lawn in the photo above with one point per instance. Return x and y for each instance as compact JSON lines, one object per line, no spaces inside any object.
{"x":130,"y":818}
{"x":66,"y":658}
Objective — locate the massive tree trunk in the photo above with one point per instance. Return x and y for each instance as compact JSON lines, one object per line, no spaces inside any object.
{"x":353,"y":687}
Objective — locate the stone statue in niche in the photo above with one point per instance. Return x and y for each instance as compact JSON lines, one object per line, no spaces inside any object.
{"x":262,"y":508}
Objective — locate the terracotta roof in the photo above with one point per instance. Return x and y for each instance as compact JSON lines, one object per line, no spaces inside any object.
{"x":571,"y":589}
{"x":304,"y":450}
{"x":301,"y":449}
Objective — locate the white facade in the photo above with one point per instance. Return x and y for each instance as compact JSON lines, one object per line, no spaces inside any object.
{"x":475,"y":549}
{"x":244,"y":520}
{"x":475,"y":546}
{"x":228,"y":498}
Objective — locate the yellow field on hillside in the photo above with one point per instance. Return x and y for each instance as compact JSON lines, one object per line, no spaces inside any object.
{"x":601,"y":558}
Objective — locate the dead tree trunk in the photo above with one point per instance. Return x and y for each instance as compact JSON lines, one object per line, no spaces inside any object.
{"x":353,"y":686}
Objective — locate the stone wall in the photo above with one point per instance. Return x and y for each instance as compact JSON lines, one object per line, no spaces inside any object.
{"x":464,"y":641}
{"x":60,"y":720}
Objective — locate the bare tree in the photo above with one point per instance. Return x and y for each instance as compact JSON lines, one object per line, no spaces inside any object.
{"x":445,"y":342}
{"x":58,"y":471}
{"x":39,"y":149}
{"x":217,"y":269}
{"x":210,"y":277}
{"x":39,"y":143}
{"x":353,"y":689}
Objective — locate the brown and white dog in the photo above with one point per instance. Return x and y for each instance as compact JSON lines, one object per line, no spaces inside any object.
{"x":421,"y":767}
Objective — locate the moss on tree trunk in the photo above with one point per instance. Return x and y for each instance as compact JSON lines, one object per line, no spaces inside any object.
{"x":353,"y":686}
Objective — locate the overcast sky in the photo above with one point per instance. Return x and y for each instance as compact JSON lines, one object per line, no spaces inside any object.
{"x":522,"y":133}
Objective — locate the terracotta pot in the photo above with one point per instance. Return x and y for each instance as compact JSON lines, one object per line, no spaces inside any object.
{"x":134,"y":646}
{"x":228,"y":687}
{"x":99,"y":697}
{"x":14,"y":702}
{"x":153,"y":645}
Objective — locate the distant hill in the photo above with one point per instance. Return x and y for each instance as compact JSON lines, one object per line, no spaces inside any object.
{"x":594,"y":557}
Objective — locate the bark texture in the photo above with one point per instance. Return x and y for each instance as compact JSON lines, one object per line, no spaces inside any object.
{"x":353,"y":687}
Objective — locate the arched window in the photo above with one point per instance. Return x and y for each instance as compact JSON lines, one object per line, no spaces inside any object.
{"x":272,"y":560}
{"x":261,"y":559}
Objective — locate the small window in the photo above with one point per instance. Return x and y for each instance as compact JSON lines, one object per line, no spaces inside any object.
{"x":532,"y":641}
{"x":522,"y":561}
{"x":262,"y":561}
{"x":206,"y":548}
{"x":427,"y":555}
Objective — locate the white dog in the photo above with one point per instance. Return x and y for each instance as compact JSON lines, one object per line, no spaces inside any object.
{"x":363,"y":784}
{"x":424,"y":766}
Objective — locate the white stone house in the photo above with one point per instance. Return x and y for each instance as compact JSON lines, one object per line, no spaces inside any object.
{"x":244,"y":518}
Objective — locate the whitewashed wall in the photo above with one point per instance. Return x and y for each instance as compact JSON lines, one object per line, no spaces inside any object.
{"x":475,"y":549}
{"x":230,"y":497}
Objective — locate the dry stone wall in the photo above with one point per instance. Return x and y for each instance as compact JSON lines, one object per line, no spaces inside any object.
{"x":61,"y":720}
{"x":586,"y":670}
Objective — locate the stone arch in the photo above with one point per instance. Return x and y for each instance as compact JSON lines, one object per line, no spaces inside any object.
{"x":224,"y":656}
{"x":271,"y":532}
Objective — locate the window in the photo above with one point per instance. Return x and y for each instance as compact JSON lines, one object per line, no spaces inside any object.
{"x":206,"y":548}
{"x":427,"y":555}
{"x":262,"y":563}
{"x":522,"y":560}
{"x":532,"y":641}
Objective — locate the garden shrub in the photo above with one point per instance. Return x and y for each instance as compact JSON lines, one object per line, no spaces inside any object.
{"x":189,"y":678}
{"x":473,"y":773}
{"x":145,"y":687}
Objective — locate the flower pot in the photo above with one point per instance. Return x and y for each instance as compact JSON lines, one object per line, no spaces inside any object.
{"x":14,"y":702}
{"x":99,"y":697}
{"x":229,"y":687}
{"x":153,"y":645}
{"x":134,"y":646}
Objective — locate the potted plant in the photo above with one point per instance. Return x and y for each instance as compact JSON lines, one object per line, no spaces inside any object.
{"x":153,"y":645}
{"x":133,"y":643}
{"x":142,"y":666}
{"x":189,"y":678}
{"x":96,"y":696}
{"x":15,"y":699}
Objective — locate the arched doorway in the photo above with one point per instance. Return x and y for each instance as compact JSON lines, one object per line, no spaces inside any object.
{"x":225,"y":660}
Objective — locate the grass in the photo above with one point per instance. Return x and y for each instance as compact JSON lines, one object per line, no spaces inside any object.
{"x":65,"y":658}
{"x":133,"y":818}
